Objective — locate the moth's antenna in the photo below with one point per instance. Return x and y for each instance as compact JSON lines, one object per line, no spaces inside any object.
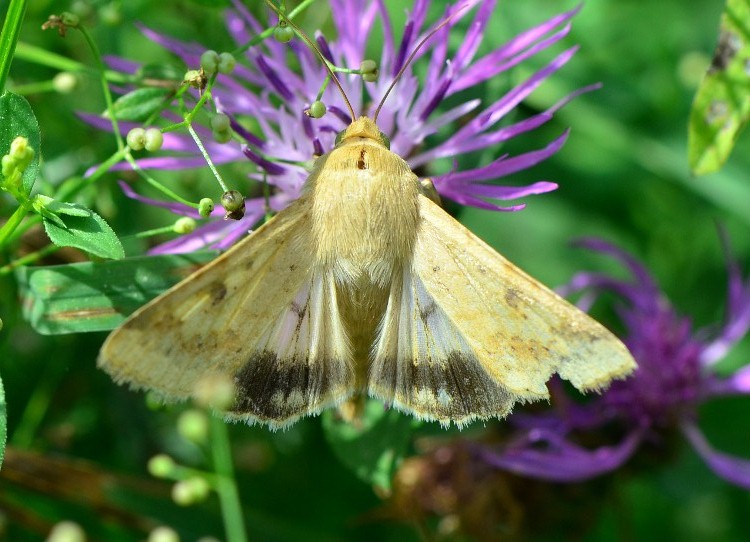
{"x":314,"y":47}
{"x":411,"y":57}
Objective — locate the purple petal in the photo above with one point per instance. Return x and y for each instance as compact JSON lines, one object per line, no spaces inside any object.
{"x":175,"y":207}
{"x":561,"y":461}
{"x":736,"y":384}
{"x":730,"y":468}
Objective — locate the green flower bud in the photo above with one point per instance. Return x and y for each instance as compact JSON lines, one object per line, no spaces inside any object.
{"x":222,"y":137}
{"x":160,"y":465}
{"x":227,"y":62}
{"x":136,"y":139}
{"x":153,"y":139}
{"x":234,"y":204}
{"x":184,"y":225}
{"x":215,"y":391}
{"x":190,"y":491}
{"x":369,"y":70}
{"x":21,"y":152}
{"x":65,"y":82}
{"x":210,"y":61}
{"x":70,"y":19}
{"x":317,"y":109}
{"x":163,"y":534}
{"x":66,"y":531}
{"x":282,"y":33}
{"x":220,"y":123}
{"x":205,"y":207}
{"x":193,"y":425}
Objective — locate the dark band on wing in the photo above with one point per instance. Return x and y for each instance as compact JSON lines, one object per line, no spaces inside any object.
{"x":278,"y":391}
{"x":455,"y":389}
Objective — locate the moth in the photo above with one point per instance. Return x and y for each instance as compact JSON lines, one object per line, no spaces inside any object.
{"x":364,"y":286}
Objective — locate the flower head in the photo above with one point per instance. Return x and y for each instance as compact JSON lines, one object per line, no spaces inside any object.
{"x":266,"y":88}
{"x":675,"y":375}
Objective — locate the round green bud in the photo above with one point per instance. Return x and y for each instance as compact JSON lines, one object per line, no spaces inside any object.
{"x":282,"y":33}
{"x":210,"y":61}
{"x":234,"y":204}
{"x":160,"y":466}
{"x":21,"y":152}
{"x":193,"y":425}
{"x":190,"y":491}
{"x":163,"y":534}
{"x":227,"y":62}
{"x":110,"y":14}
{"x":8,"y":165}
{"x":215,"y":391}
{"x":317,"y":109}
{"x":205,"y":207}
{"x":69,"y":19}
{"x":184,"y":225}
{"x":220,"y":123}
{"x":136,"y":139}
{"x":368,"y":66}
{"x":66,"y":531}
{"x":222,"y":137}
{"x":153,"y":139}
{"x":64,"y":82}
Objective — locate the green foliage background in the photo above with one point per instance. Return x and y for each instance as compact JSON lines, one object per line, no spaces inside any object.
{"x":623,"y":176}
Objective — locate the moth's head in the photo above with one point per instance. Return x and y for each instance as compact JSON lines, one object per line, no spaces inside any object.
{"x":363,"y":128}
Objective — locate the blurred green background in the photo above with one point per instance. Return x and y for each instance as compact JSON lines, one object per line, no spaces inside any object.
{"x":623,"y":176}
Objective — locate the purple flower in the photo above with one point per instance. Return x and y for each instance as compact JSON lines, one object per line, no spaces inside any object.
{"x":675,"y":376}
{"x":274,"y":94}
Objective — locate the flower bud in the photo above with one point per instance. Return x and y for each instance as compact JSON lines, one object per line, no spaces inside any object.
{"x":234,"y":205}
{"x":153,"y":139}
{"x":369,"y":70}
{"x":317,"y":109}
{"x":220,"y":123}
{"x":205,"y":207}
{"x":282,"y":33}
{"x":190,"y":491}
{"x":160,"y":465}
{"x":184,"y":225}
{"x":65,"y":82}
{"x":216,"y":391}
{"x":210,"y":61}
{"x":70,"y":19}
{"x":163,"y":534}
{"x":66,"y":531}
{"x":227,"y":62}
{"x":193,"y":425}
{"x":136,"y":139}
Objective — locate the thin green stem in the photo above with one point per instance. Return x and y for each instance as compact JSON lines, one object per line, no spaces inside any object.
{"x":269,"y":31}
{"x":226,"y":487}
{"x":105,"y":87}
{"x":9,"y":37}
{"x":29,"y":258}
{"x":151,"y":233}
{"x":13,"y":222}
{"x":34,"y":88}
{"x":206,"y":157}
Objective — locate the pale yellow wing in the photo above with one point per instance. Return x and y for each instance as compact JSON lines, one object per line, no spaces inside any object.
{"x":467,"y":334}
{"x":260,"y":314}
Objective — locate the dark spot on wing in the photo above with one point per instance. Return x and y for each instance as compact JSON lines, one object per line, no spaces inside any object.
{"x":217,"y":291}
{"x":361,"y":163}
{"x":456,"y":388}
{"x":512,"y":298}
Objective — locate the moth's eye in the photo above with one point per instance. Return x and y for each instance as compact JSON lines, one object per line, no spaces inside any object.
{"x":339,"y":137}
{"x":386,"y":140}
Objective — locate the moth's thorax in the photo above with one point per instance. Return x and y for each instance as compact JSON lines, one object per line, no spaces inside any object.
{"x":364,"y":208}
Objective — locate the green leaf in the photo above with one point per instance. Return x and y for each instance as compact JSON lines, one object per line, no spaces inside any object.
{"x":721,"y":107}
{"x":97,"y":296}
{"x":374,"y":447}
{"x":3,"y":423}
{"x":18,"y":120}
{"x":88,"y":232}
{"x":141,"y":103}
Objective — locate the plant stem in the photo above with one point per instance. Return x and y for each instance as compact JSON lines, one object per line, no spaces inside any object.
{"x":226,"y":486}
{"x":15,"y":219}
{"x":9,"y":37}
